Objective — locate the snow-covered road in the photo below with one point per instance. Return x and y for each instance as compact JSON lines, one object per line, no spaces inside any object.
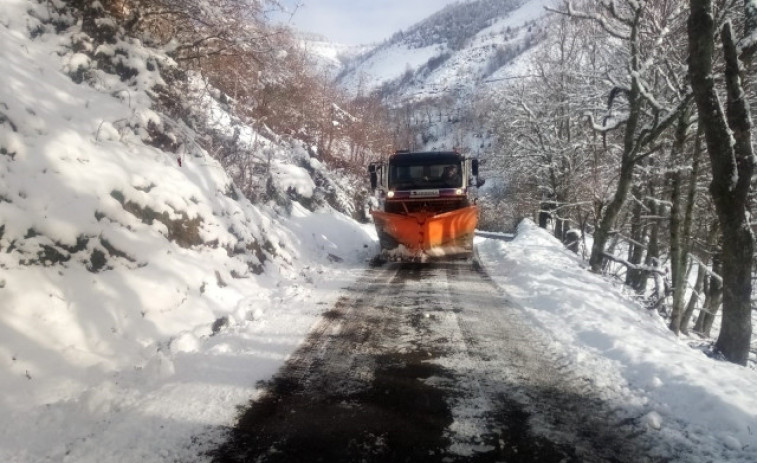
{"x":431,"y":362}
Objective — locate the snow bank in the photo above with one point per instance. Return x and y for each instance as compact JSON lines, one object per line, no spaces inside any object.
{"x":627,"y":349}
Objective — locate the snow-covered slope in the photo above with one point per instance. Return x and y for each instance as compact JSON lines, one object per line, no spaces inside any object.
{"x":129,"y":274}
{"x":451,"y":52}
{"x":328,"y":57}
{"x":698,"y":408}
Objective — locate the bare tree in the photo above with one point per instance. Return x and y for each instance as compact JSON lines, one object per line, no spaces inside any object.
{"x":728,"y":135}
{"x":644,"y":31}
{"x":545,"y":144}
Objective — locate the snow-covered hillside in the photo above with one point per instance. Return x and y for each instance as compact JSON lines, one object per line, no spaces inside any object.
{"x":328,"y":57}
{"x":122,"y":265}
{"x":451,"y":52}
{"x":438,"y":71}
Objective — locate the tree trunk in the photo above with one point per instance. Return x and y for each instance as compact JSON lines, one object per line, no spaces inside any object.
{"x":638,"y":235}
{"x":561,"y":226}
{"x":699,"y":324}
{"x":693,"y":300}
{"x":544,"y":216}
{"x":652,"y":259}
{"x":628,"y":160}
{"x":678,"y":251}
{"x":712,"y":285}
{"x":714,"y":297}
{"x":729,"y":146}
{"x":680,"y":222}
{"x":606,"y":225}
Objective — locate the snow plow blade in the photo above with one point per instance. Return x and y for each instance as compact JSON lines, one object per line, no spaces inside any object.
{"x":419,"y":235}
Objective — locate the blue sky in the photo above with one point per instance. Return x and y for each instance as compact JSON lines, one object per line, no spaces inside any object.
{"x":361,"y":21}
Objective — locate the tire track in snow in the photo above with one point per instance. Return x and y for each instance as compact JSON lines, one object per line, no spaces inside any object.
{"x":428,"y":363}
{"x":539,"y":409}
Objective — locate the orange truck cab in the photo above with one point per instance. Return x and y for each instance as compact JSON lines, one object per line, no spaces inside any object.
{"x":427,"y":205}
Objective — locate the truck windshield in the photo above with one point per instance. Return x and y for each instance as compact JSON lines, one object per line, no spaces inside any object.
{"x":425,"y":176}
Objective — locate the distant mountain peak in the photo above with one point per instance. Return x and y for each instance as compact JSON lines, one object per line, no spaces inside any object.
{"x":452,"y":50}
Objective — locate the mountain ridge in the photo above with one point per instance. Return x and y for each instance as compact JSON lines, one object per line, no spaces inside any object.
{"x":451,"y":50}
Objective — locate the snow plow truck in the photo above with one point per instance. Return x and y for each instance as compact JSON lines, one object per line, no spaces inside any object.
{"x":426,"y":205}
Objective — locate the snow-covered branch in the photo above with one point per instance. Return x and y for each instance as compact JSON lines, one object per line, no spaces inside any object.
{"x":706,"y":268}
{"x":649,"y":134}
{"x":605,"y":127}
{"x":630,"y":266}
{"x":602,"y":20}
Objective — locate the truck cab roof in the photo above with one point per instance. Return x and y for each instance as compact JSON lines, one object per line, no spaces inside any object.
{"x":434,"y":157}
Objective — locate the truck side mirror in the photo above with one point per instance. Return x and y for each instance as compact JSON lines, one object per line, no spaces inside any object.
{"x":474,"y":167}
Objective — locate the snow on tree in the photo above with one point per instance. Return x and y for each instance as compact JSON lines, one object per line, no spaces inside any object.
{"x":728,"y":133}
{"x":647,"y":107}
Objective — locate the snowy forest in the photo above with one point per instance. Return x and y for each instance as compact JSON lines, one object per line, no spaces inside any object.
{"x":633,"y":126}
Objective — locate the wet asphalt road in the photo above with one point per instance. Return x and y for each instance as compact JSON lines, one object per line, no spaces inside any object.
{"x":430,"y":363}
